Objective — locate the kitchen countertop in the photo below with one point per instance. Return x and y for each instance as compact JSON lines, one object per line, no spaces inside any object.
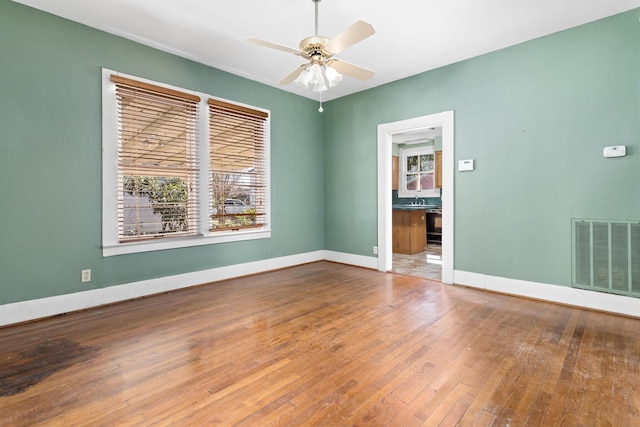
{"x":427,"y":208}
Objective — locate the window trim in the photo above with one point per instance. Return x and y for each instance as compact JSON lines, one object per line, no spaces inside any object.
{"x":110,"y":242}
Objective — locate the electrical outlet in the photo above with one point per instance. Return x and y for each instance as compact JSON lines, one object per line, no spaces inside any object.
{"x":86,"y":276}
{"x":375,"y":250}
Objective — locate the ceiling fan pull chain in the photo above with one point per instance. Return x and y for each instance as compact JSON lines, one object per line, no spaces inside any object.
{"x":320,"y":109}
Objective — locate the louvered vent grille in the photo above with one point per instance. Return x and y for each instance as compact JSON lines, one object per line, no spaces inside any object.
{"x":606,"y":256}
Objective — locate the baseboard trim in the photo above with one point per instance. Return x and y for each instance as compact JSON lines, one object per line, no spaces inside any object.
{"x":25,"y":311}
{"x":351,"y":259}
{"x":583,"y":298}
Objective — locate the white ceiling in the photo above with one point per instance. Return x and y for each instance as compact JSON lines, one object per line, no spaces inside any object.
{"x":412,"y":36}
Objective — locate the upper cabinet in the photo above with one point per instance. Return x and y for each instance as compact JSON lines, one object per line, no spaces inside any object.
{"x":394,"y":173}
{"x":439,"y":169}
{"x":417,"y":172}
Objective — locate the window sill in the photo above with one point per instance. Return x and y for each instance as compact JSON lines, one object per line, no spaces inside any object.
{"x":420,"y":194}
{"x":185,"y":242}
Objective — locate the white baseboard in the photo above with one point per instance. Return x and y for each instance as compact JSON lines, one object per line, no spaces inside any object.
{"x":601,"y":301}
{"x":44,"y":307}
{"x":351,"y":259}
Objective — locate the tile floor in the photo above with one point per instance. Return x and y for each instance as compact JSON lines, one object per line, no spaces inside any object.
{"x":426,"y":264}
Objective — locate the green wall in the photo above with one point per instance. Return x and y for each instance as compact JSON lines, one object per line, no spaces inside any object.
{"x":51,"y":165}
{"x":535,"y":118}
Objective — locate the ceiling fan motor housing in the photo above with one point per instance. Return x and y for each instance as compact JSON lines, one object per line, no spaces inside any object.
{"x":313,"y":46}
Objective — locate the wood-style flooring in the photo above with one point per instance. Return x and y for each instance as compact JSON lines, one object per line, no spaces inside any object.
{"x":323,"y":344}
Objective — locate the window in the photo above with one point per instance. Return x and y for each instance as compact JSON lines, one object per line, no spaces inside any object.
{"x":236,"y":166}
{"x":157,"y":161}
{"x":162,"y":148}
{"x":417,"y":172}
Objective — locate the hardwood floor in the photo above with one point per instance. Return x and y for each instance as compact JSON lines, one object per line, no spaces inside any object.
{"x":324,"y":344}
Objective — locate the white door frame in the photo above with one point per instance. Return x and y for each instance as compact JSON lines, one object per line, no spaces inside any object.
{"x":385,"y":133}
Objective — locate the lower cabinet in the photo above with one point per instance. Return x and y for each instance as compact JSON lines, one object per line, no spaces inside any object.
{"x":409,"y":231}
{"x":434,"y":228}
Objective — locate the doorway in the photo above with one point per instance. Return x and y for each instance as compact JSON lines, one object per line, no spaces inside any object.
{"x":444,"y":120}
{"x":424,"y":144}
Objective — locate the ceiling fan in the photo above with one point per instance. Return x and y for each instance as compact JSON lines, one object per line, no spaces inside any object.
{"x":323,"y":68}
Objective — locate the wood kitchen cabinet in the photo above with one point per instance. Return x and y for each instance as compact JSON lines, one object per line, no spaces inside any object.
{"x":394,"y":172}
{"x":438,"y":169}
{"x":409,"y":231}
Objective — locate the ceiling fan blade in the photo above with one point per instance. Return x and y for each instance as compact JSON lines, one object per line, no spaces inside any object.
{"x":351,"y":70}
{"x":292,"y":75}
{"x":273,"y":46}
{"x":350,"y":36}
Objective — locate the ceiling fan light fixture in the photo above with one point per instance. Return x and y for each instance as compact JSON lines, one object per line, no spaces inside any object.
{"x":317,"y":81}
{"x":333,"y":76}
{"x":303,"y":79}
{"x":316,"y":77}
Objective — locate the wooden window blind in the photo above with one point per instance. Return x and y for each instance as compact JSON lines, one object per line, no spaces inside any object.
{"x":157,"y":161}
{"x":237,"y":166}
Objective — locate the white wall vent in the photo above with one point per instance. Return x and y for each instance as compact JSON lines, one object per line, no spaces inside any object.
{"x":606,"y":255}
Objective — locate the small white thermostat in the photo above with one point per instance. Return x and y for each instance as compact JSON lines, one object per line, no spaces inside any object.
{"x":615,"y":151}
{"x":465,"y":165}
